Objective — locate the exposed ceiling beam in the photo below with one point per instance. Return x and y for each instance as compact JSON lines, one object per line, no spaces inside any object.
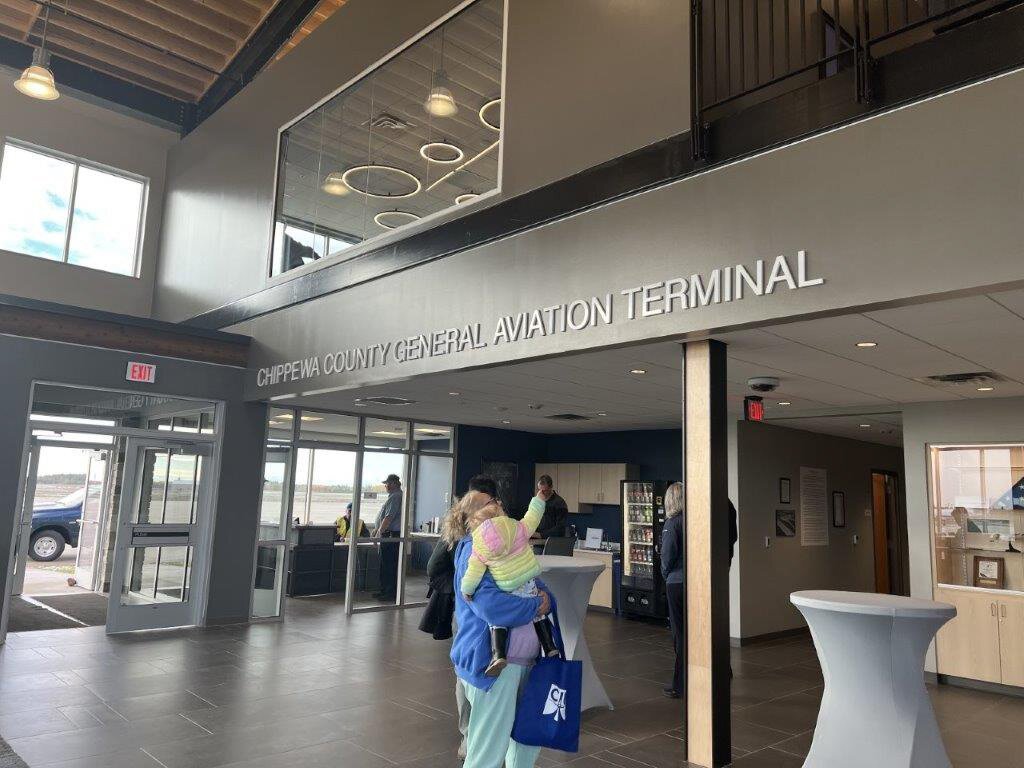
{"x":95,"y":85}
{"x":275,"y":30}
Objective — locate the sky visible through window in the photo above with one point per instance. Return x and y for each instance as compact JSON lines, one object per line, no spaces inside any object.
{"x":36,"y":192}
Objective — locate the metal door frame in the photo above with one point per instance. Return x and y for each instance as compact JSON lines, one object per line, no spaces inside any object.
{"x":129,"y":618}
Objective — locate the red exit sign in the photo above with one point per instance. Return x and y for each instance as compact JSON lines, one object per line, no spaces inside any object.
{"x":753,"y":408}
{"x":144,"y":373}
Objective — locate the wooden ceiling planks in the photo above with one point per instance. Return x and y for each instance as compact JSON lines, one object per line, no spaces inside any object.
{"x":175,"y":47}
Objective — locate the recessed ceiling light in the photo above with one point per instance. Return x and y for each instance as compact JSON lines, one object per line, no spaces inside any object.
{"x":867,"y":344}
{"x":505,"y":421}
{"x":985,"y":389}
{"x":784,"y":402}
{"x":454,"y":394}
{"x":601,"y":413}
{"x":312,"y":418}
{"x":638,"y":371}
{"x":865,"y":426}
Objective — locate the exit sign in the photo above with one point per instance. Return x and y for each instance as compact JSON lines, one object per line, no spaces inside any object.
{"x":753,"y":408}
{"x":144,"y":373}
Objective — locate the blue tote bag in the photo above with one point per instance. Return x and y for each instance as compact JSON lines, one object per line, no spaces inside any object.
{"x":548,"y":713}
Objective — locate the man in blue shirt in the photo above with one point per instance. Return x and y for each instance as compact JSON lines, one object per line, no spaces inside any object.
{"x":389,"y":526}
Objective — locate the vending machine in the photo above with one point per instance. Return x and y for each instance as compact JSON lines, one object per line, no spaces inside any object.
{"x":642,"y":591}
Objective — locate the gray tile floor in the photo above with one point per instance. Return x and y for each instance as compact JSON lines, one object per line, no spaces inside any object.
{"x":372,"y":691}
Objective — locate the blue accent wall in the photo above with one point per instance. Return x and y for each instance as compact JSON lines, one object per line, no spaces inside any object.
{"x":658,"y":454}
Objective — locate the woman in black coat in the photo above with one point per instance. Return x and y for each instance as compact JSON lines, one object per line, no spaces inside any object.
{"x":672,"y":562}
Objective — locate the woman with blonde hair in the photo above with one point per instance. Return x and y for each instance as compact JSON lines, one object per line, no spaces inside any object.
{"x":492,"y":700}
{"x":675,"y":587}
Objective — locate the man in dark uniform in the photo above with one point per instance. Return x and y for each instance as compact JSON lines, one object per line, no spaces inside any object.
{"x":556,"y":511}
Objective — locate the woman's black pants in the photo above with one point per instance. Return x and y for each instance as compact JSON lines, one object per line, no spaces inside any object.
{"x":676,"y":594}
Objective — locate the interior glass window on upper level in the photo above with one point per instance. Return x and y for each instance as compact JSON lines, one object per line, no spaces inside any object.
{"x":63,"y":208}
{"x":417,"y":136}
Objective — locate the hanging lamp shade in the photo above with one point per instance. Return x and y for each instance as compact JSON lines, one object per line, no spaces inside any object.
{"x":37,"y":80}
{"x":440,"y":102}
{"x":334,"y":184}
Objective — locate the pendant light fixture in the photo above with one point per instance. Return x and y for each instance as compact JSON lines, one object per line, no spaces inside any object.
{"x":334,"y":182}
{"x":37,"y":80}
{"x":441,"y":102}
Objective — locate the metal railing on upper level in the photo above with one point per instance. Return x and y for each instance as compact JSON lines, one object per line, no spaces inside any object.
{"x":747,"y":51}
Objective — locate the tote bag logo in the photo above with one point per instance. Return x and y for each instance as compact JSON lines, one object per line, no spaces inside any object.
{"x":555,"y":703}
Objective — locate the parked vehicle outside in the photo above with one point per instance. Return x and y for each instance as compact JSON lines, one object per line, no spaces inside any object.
{"x":55,"y":525}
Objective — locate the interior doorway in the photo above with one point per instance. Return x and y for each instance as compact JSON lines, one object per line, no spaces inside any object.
{"x":889,"y":534}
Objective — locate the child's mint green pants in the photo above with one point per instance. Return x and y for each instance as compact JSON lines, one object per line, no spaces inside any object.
{"x":490,"y":723}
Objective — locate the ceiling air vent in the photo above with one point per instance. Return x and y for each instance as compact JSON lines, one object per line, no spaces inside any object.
{"x":389,"y":121}
{"x":384,"y":400}
{"x":567,"y":417}
{"x":971,"y":378}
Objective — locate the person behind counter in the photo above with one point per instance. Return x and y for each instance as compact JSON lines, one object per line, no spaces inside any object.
{"x":343,"y":523}
{"x":556,"y":511}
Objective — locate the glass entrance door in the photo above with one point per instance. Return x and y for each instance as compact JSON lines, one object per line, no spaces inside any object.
{"x":162,"y":533}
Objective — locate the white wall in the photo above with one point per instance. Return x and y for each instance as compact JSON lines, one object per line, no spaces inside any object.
{"x":85,"y":130}
{"x":769,"y":575}
{"x":994,"y":420}
{"x":585,"y":82}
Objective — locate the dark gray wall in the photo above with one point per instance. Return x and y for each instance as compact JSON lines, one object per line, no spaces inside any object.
{"x":102,"y":136}
{"x":776,"y":203}
{"x":237,"y":504}
{"x":585,"y":82}
{"x":769,"y":575}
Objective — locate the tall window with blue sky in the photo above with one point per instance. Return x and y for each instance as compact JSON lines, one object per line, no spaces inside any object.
{"x":65,"y":209}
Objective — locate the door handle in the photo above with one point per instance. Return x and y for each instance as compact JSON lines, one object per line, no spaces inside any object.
{"x":992,"y":608}
{"x":1002,"y":610}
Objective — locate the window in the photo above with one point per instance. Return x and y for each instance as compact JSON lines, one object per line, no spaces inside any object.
{"x":418,"y":136}
{"x":64,"y":209}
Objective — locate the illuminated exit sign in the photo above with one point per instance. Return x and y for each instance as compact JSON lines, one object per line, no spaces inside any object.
{"x":753,"y":408}
{"x":144,"y":373}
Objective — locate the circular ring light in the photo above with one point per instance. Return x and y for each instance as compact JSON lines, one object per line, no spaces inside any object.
{"x":345,"y":177}
{"x":483,"y":114}
{"x":465,"y":197}
{"x":429,"y":151}
{"x":380,"y":221}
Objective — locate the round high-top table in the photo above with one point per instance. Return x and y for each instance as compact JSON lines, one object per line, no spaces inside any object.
{"x":875,"y":710}
{"x":571,"y":581}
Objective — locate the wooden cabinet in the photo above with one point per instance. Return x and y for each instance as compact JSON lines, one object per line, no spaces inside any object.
{"x":569,"y":485}
{"x":985,"y":641}
{"x":611,"y":476}
{"x":587,"y":483}
{"x":591,"y":484}
{"x":1011,"y":640}
{"x":968,"y":645}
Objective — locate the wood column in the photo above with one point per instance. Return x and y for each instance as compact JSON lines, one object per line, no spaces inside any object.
{"x":705,"y":469}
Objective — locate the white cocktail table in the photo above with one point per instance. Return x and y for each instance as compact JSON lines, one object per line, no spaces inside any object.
{"x":875,"y":710}
{"x":571,"y":581}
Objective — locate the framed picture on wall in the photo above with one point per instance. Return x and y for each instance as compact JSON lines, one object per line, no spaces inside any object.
{"x":785,"y":491}
{"x":989,"y":572}
{"x":838,"y":509}
{"x":785,"y":523}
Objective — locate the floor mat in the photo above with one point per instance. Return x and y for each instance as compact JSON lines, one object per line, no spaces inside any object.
{"x":26,"y":617}
{"x":90,"y":608}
